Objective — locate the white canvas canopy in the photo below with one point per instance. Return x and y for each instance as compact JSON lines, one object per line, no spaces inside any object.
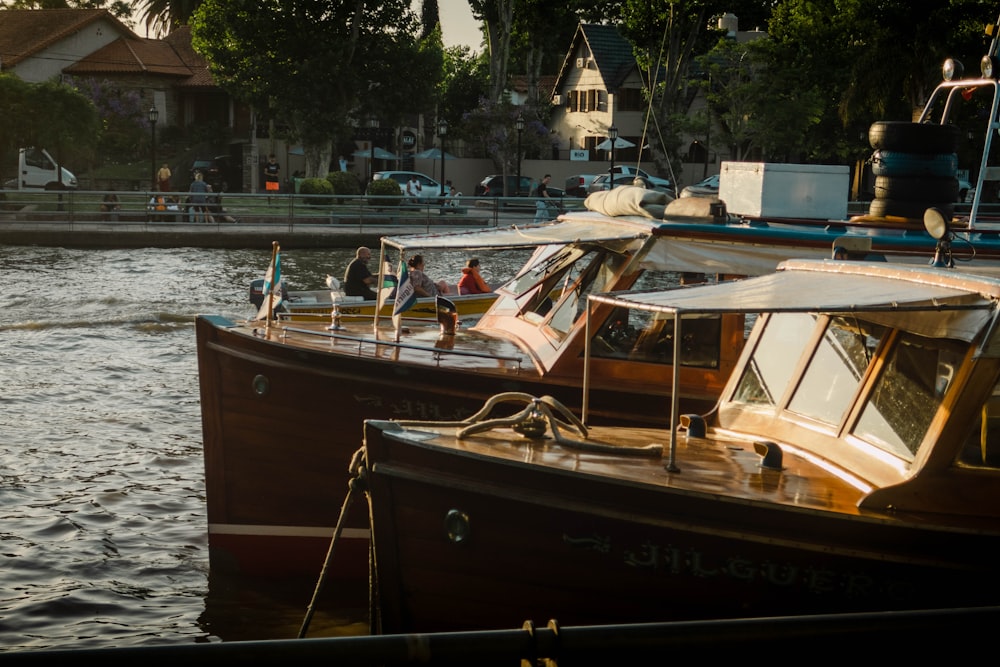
{"x":888,"y":294}
{"x":934,"y":303}
{"x":597,"y":230}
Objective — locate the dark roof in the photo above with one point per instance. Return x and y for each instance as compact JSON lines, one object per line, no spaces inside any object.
{"x":132,"y":56}
{"x":613,"y":56}
{"x":612,"y":53}
{"x":170,"y":56}
{"x":180,"y":39}
{"x":25,"y":32}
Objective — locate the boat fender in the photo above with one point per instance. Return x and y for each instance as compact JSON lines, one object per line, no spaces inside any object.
{"x":771,"y":452}
{"x":694,"y":425}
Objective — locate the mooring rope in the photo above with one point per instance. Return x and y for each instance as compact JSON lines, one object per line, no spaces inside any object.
{"x":356,"y":483}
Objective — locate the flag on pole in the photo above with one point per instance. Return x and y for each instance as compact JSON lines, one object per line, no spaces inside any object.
{"x":388,"y":289}
{"x":272,"y":286}
{"x":406,"y":296}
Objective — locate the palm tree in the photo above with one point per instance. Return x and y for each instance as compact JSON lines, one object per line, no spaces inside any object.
{"x":162,"y":16}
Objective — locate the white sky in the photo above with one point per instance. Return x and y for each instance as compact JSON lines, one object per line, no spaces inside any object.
{"x":457,"y":24}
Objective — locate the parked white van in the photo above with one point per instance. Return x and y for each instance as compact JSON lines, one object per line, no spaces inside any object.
{"x":36,"y":169}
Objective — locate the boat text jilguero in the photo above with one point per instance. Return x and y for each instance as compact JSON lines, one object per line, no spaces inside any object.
{"x":851,"y":464}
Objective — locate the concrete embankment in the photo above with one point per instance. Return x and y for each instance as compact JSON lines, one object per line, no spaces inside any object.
{"x":211,"y":235}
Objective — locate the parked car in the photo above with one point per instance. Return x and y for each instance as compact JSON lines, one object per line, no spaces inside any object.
{"x":492,"y":186}
{"x":657,"y":182}
{"x":705,"y":188}
{"x":429,"y":185}
{"x":577,"y":185}
{"x":215,"y":171}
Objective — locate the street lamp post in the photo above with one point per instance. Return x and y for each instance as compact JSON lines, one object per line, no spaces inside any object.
{"x":519,"y":124}
{"x":372,"y":131}
{"x":442,"y":132}
{"x":613,"y":136}
{"x":153,"y":114}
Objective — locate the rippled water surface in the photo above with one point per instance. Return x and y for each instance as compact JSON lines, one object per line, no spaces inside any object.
{"x":102,"y":498}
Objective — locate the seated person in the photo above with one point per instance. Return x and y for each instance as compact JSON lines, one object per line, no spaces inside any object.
{"x":471,"y":282}
{"x":358,"y":278}
{"x":422,"y":285}
{"x":451,"y":199}
{"x":110,"y":206}
{"x":414,"y":190}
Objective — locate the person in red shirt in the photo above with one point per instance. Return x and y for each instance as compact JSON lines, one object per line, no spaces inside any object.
{"x":471,"y":282}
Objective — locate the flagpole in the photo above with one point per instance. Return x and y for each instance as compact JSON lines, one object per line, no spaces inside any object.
{"x":379,"y":299}
{"x":270,"y":291}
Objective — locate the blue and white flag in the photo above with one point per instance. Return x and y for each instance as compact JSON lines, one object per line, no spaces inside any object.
{"x":272,"y":287}
{"x":406,"y":296}
{"x":388,"y":289}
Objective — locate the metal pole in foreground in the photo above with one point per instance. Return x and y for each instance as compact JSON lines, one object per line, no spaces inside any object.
{"x":153,"y":114}
{"x":442,"y":131}
{"x":519,"y":124}
{"x":613,"y":136}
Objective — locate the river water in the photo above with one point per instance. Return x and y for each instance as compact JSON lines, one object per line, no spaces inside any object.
{"x":102,"y":497}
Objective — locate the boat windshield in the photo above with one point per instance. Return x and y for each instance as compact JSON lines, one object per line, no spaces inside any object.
{"x":908,"y":393}
{"x":639,"y":335}
{"x":553,"y":290}
{"x":804,"y":373}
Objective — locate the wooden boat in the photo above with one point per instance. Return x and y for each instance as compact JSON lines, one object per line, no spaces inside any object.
{"x":283,"y":403}
{"x":317,"y":305}
{"x":852,"y":464}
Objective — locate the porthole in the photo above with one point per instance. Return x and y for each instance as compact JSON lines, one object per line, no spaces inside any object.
{"x":456,"y":526}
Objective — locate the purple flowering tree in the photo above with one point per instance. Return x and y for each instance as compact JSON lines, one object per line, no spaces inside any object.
{"x":124,"y":128}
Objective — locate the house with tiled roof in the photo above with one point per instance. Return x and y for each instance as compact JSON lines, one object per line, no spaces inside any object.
{"x":37,"y":44}
{"x":41,"y":44}
{"x":598,"y":85}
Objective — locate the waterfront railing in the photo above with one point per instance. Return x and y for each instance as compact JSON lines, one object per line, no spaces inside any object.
{"x":152,"y":208}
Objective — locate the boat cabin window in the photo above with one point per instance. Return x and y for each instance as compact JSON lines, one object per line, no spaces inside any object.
{"x":582,"y":279}
{"x":982,"y":446}
{"x":770,"y":369}
{"x":830,"y":381}
{"x":553,"y":291}
{"x":640,"y":335}
{"x":908,"y":393}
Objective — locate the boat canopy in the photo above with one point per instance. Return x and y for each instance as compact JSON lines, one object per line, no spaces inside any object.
{"x":889,"y":296}
{"x":594,"y":229}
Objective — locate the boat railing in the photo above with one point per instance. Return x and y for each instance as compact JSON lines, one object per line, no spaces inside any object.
{"x":437,"y":352}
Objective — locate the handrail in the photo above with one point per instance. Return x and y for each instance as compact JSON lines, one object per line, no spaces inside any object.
{"x":436,"y":351}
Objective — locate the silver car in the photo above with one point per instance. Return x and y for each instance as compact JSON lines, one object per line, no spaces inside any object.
{"x":706,"y":188}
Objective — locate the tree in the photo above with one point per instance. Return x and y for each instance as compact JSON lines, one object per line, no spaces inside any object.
{"x":318,"y":67}
{"x":162,"y":16}
{"x":497,"y":17}
{"x":463,"y":84}
{"x":750,"y":102}
{"x":124,"y":128}
{"x":51,"y":115}
{"x":874,"y":59}
{"x":16,"y":111}
{"x":491,"y":127}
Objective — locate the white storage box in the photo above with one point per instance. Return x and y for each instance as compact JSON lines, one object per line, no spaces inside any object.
{"x":765,"y":190}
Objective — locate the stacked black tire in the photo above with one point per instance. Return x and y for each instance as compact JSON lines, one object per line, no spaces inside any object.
{"x":915,"y":167}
